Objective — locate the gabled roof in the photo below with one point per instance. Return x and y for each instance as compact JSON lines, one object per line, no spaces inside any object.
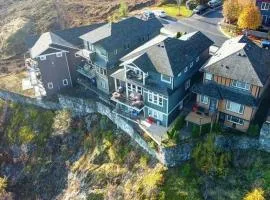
{"x":46,"y":41}
{"x":169,"y":56}
{"x":114,"y":35}
{"x":242,"y":60}
{"x":71,"y":35}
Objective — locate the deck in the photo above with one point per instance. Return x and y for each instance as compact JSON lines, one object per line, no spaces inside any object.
{"x":198,"y":118}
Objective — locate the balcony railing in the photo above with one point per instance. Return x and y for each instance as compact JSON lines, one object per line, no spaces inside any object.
{"x":87,"y":71}
{"x":134,"y":101}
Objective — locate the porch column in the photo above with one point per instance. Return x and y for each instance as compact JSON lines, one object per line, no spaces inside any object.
{"x":115,"y":84}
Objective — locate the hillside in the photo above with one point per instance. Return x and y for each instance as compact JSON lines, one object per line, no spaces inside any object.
{"x":54,"y":155}
{"x":23,"y":17}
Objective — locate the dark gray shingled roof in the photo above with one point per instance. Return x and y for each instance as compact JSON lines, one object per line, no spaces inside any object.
{"x":169,"y":56}
{"x":216,"y":91}
{"x":114,"y":35}
{"x":240,"y":59}
{"x":71,"y":35}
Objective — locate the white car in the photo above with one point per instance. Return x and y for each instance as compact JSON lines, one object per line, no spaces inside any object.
{"x":160,"y":13}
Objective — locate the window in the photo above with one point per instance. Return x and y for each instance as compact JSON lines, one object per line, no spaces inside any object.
{"x":101,"y":71}
{"x":133,"y":88}
{"x":208,"y":76}
{"x":204,"y":99}
{"x":235,"y":120}
{"x":155,"y":98}
{"x":42,"y":57}
{"x":50,"y":85}
{"x":240,"y":85}
{"x":235,"y":107}
{"x":166,"y":79}
{"x":180,"y":73}
{"x":197,"y":59}
{"x":186,"y":69}
{"x":155,"y":114}
{"x":187,"y":84}
{"x":59,"y":54}
{"x":115,"y":52}
{"x":103,"y":84}
{"x":265,"y":6}
{"x":191,"y":65}
{"x":65,"y":82}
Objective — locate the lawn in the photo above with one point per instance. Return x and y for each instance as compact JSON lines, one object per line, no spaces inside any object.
{"x":173,"y":10}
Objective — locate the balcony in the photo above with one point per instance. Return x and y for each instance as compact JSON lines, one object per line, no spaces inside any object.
{"x":87,"y":70}
{"x":133,"y":101}
{"x":84,"y":53}
{"x":199,"y":116}
{"x":136,"y":77}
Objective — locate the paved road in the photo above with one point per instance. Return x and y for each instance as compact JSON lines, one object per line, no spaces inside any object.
{"x":207,"y":24}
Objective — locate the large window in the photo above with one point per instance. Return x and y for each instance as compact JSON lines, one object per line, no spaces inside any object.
{"x":240,"y":85}
{"x":265,"y":6}
{"x":166,"y":79}
{"x":204,"y":99}
{"x":155,"y":98}
{"x":235,"y":120}
{"x":235,"y":107}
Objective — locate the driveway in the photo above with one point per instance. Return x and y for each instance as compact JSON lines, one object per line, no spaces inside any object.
{"x":207,"y":24}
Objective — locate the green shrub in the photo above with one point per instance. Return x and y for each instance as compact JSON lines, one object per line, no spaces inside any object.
{"x":144,"y":159}
{"x":195,"y":133}
{"x":209,"y":159}
{"x":253,"y":130}
{"x":179,"y":123}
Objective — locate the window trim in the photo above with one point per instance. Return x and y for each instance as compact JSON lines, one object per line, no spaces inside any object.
{"x":203,"y":98}
{"x":154,"y":98}
{"x":186,"y":69}
{"x":228,"y":107}
{"x":159,"y":114}
{"x":187,"y":84}
{"x":230,"y":120}
{"x":59,"y":54}
{"x":50,"y":85}
{"x":265,"y":6}
{"x":43,"y":57}
{"x":207,"y":75}
{"x":197,"y":59}
{"x":65,"y":82}
{"x":191,"y":65}
{"x":166,"y":81}
{"x":235,"y":84}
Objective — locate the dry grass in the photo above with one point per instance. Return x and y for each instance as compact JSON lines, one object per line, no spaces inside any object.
{"x":13,"y":82}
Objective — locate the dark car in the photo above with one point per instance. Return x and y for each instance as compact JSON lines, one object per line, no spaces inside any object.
{"x":200,"y":9}
{"x":265,"y":44}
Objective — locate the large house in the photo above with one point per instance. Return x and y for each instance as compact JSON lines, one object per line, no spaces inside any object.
{"x":234,"y":81}
{"x":104,"y":46}
{"x":264,"y":6}
{"x":52,"y":59}
{"x":155,"y":78}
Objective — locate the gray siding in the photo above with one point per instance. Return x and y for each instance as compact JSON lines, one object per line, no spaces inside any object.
{"x":54,"y":69}
{"x":154,"y":106}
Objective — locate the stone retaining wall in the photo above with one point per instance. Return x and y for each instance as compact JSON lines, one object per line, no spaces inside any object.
{"x":172,"y":156}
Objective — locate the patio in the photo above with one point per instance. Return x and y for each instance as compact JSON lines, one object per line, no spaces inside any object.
{"x":198,"y":118}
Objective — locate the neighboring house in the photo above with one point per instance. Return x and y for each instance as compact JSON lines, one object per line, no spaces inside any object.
{"x":264,"y":6}
{"x":52,"y":57}
{"x":234,"y":81}
{"x":104,"y":46}
{"x":155,"y":78}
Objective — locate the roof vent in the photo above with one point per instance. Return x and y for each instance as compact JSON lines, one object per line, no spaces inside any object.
{"x":227,"y":67}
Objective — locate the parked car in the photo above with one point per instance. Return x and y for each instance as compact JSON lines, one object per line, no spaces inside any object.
{"x":214,"y":3}
{"x":265,"y":44}
{"x":200,"y":9}
{"x":160,"y":13}
{"x":191,"y":4}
